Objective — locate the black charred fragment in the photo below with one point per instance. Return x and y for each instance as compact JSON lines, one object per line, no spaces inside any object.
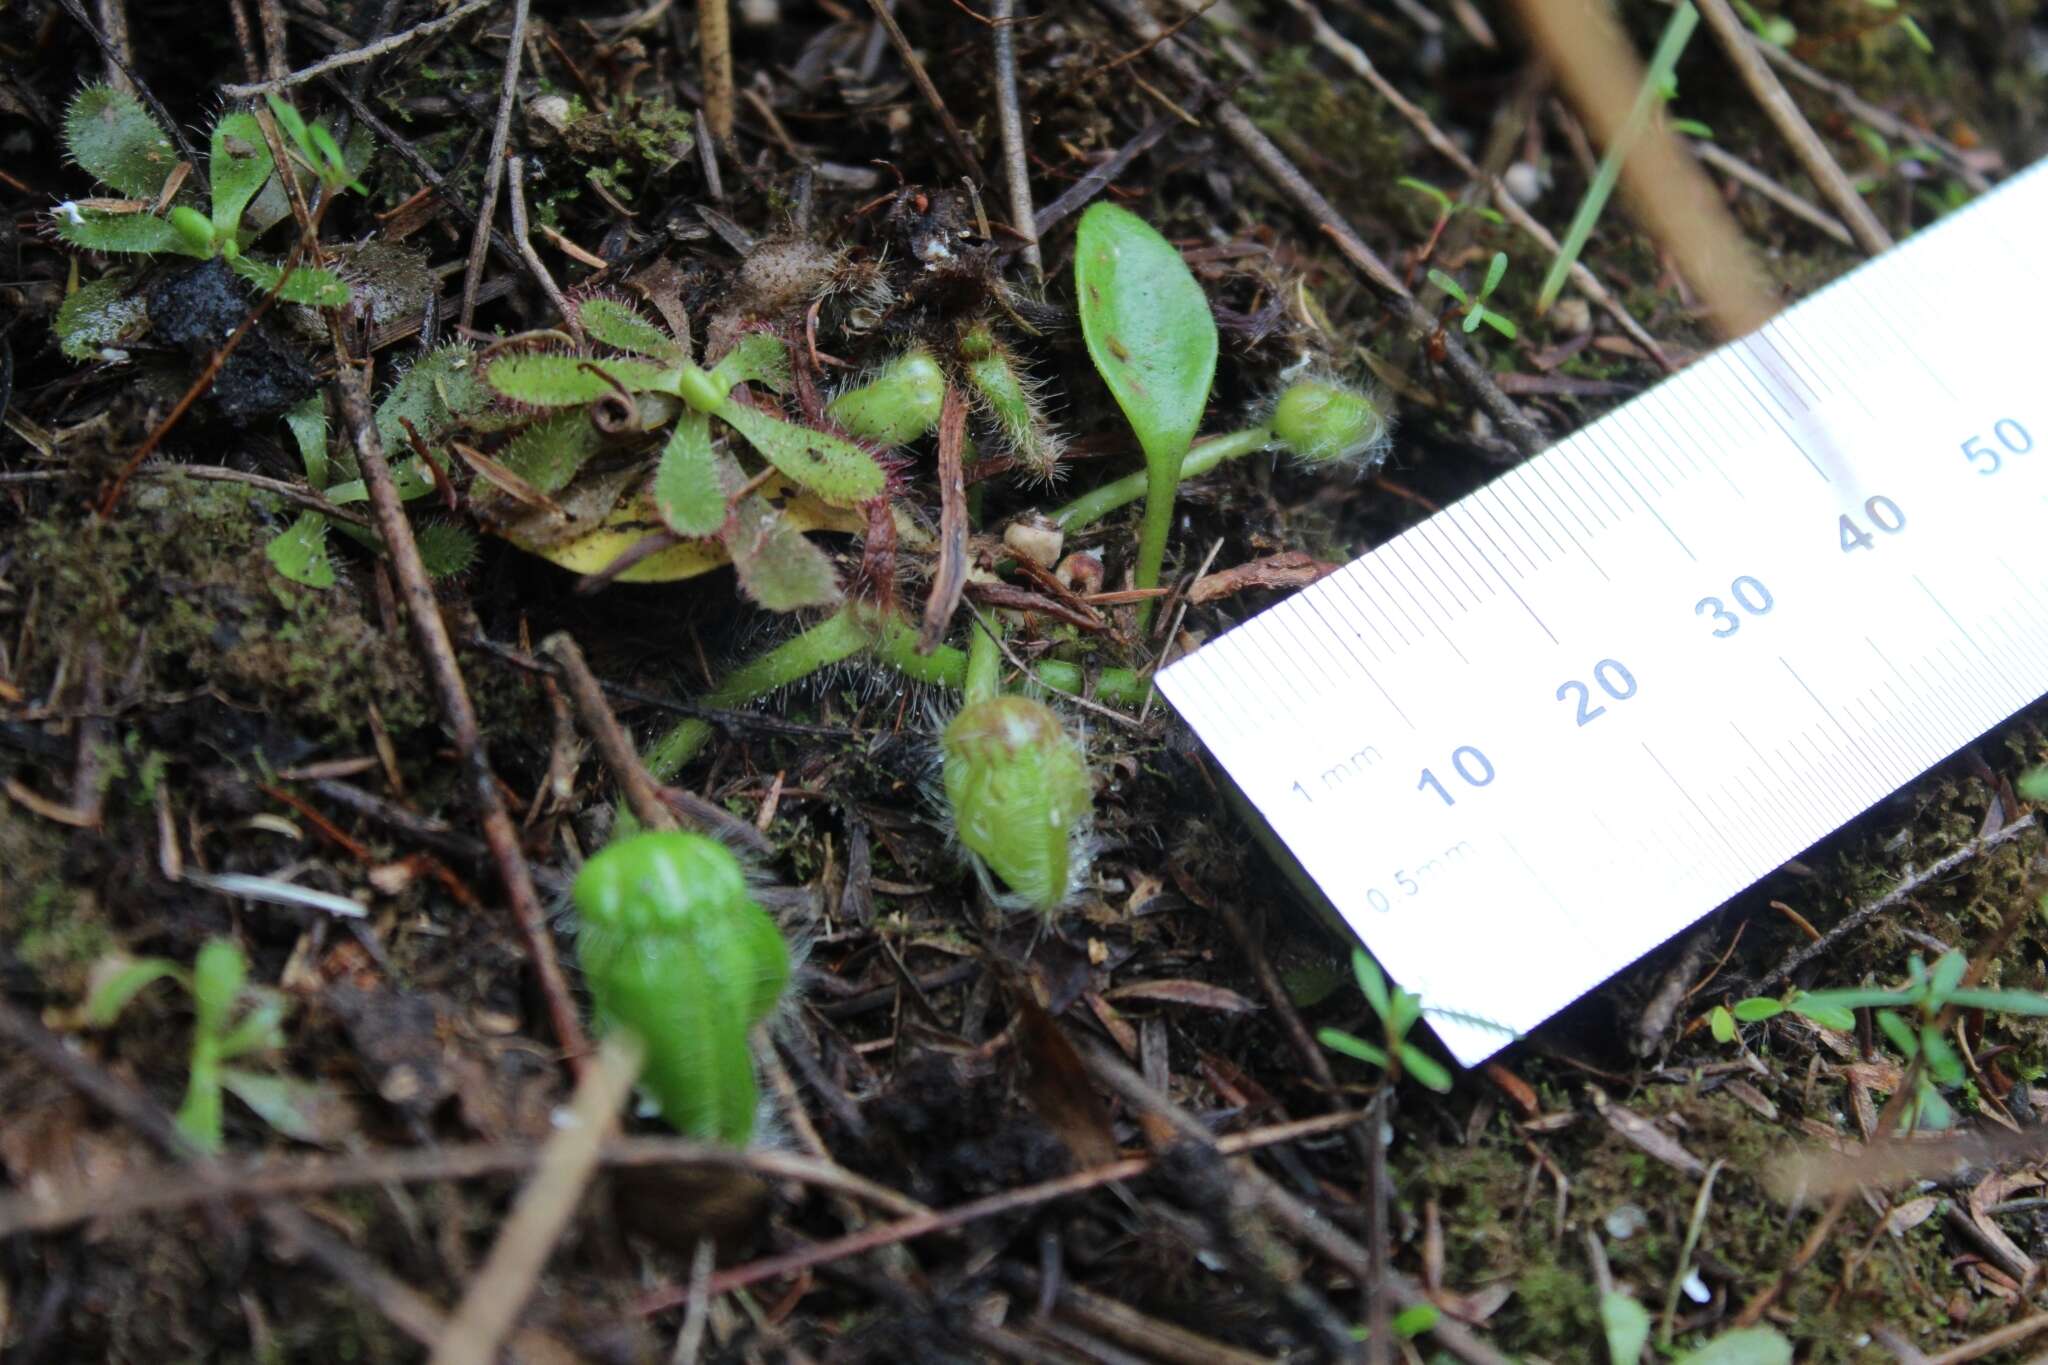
{"x":197,"y":309}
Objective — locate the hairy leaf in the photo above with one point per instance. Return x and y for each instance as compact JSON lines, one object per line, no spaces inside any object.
{"x":835,"y":469}
{"x":756,"y":358}
{"x":440,"y":391}
{"x":1148,"y":328}
{"x":238,"y":166}
{"x":550,"y":452}
{"x":307,"y":284}
{"x":299,"y":552}
{"x":1005,"y":396}
{"x":96,"y":317}
{"x":445,"y":548}
{"x":141,"y":234}
{"x":619,"y":327}
{"x":117,"y":981}
{"x":308,"y":422}
{"x":554,"y":381}
{"x":110,"y":135}
{"x":777,"y":567}
{"x":687,"y":489}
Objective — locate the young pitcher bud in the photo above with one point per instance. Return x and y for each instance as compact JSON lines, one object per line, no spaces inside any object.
{"x":898,"y":405}
{"x":676,"y":950}
{"x":1018,"y":786}
{"x":1320,"y":421}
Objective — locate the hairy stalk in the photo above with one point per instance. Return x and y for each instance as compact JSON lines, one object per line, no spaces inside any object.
{"x":894,"y":642}
{"x":837,"y":637}
{"x":984,"y":677}
{"x":1093,"y":506}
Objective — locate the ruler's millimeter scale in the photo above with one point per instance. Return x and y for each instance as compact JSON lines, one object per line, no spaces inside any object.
{"x":1529,"y":739}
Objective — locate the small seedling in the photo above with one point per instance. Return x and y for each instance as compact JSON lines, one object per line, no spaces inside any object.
{"x":1447,"y":208}
{"x":113,"y":139}
{"x":1398,"y":1011}
{"x":677,"y":951}
{"x":1625,"y":1324}
{"x":218,"y":985}
{"x":1474,"y":307}
{"x":1723,"y":1021}
{"x":1153,"y":340}
{"x":1910,"y":1016}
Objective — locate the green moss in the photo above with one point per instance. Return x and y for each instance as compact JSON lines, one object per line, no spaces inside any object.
{"x":181,"y":574}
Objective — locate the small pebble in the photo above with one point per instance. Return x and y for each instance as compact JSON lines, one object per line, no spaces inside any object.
{"x":1696,"y":1288}
{"x":1625,"y":1222}
{"x":1572,"y":317}
{"x":1524,"y":182}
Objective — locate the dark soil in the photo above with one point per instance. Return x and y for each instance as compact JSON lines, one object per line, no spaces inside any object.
{"x":173,"y":709}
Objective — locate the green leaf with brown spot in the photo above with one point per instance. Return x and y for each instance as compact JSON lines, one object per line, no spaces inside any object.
{"x":778,"y":568}
{"x":835,"y":469}
{"x":109,"y":134}
{"x":1148,"y":327}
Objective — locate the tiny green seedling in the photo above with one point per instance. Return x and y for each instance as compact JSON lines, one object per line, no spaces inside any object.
{"x":218,"y":985}
{"x":1447,"y":208}
{"x":1774,"y":29}
{"x":1724,"y":1021}
{"x":677,"y":951}
{"x":1153,"y":340}
{"x":113,"y":139}
{"x":1625,"y":1324}
{"x":1398,"y":1011}
{"x":1474,"y":307}
{"x":1909,"y":1017}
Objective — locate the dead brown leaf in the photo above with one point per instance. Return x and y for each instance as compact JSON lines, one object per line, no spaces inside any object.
{"x":1288,"y":569}
{"x":1177,"y":991}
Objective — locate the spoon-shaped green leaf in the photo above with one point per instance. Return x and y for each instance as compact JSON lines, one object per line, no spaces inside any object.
{"x":1153,"y":341}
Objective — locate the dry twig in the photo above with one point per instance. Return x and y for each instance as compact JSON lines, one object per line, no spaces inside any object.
{"x":366,"y":53}
{"x":1010,"y":119}
{"x":430,"y":635}
{"x":1793,"y":127}
{"x":494,"y":165}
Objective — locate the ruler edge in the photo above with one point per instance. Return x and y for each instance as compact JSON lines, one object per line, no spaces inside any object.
{"x":2032,"y":178}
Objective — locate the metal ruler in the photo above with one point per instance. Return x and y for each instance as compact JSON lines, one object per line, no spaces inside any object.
{"x":1531,"y":738}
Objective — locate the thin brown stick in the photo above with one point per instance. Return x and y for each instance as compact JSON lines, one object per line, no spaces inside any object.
{"x":1010,"y":120}
{"x":114,"y":21}
{"x":516,"y":168}
{"x":1806,"y":145}
{"x":162,"y":1189}
{"x":1587,"y":283}
{"x":430,"y":635}
{"x":1906,"y":888}
{"x":1883,"y":120}
{"x":962,"y":149}
{"x":367,"y":53}
{"x":283,"y":488}
{"x":494,"y":165}
{"x":949,"y":579}
{"x":1272,"y":163}
{"x":613,"y":744}
{"x":485,"y":1316}
{"x":961,"y":1215}
{"x":1078,"y":195}
{"x":412,"y":1312}
{"x":1740,"y":171}
{"x":1671,"y":195}
{"x":714,"y":51}
{"x":1303,"y":1223}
